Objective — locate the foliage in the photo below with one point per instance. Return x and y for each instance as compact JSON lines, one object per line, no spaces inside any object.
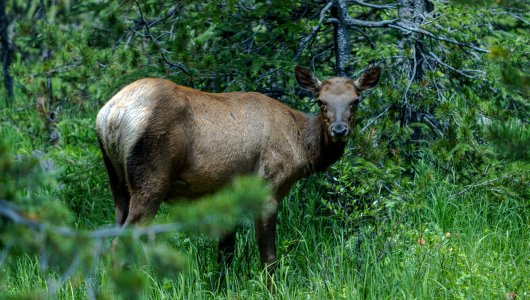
{"x":512,"y":139}
{"x":22,"y":184}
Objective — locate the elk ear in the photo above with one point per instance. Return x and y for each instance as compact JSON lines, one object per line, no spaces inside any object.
{"x":368,"y":79}
{"x":306,"y":79}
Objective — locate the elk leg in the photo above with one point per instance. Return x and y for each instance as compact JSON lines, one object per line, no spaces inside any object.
{"x":121,"y":203}
{"x":148,"y":189}
{"x":148,"y":177}
{"x":225,"y":254}
{"x":266,"y":236}
{"x":144,"y":205}
{"x":226,"y":249}
{"x":119,"y":189}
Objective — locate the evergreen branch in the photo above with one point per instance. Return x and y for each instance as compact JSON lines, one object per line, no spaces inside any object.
{"x":473,"y":186}
{"x":10,"y":212}
{"x":5,"y":252}
{"x":6,"y":53}
{"x":234,"y":200}
{"x":53,"y":286}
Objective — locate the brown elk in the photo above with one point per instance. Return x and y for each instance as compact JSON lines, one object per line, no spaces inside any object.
{"x":163,"y":141}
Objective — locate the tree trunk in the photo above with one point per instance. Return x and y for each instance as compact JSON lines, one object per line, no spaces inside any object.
{"x":415,"y":12}
{"x":342,"y":39}
{"x":7,"y":52}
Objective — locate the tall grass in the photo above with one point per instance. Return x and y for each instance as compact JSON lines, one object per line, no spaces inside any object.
{"x":439,"y":245}
{"x":486,"y":256}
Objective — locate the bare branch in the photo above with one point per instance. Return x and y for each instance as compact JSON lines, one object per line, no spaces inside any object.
{"x":346,"y":20}
{"x":375,"y":119}
{"x":513,"y":15}
{"x":402,"y":25}
{"x":351,"y":22}
{"x":308,"y":39}
{"x":431,"y":121}
{"x":461,"y":72}
{"x":376,"y":6}
{"x":160,"y":49}
{"x":412,"y":76}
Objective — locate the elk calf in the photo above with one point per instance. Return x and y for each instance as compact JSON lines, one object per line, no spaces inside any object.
{"x":163,"y":141}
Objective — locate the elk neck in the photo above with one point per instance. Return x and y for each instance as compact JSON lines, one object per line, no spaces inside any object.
{"x":321,"y":150}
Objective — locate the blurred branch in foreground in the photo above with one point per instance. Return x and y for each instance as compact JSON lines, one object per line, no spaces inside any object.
{"x":65,"y":252}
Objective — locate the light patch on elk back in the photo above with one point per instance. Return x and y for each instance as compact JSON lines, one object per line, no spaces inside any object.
{"x":123,"y":120}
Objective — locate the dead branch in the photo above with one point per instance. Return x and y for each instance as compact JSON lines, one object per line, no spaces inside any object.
{"x":375,"y":119}
{"x":376,"y":6}
{"x":400,"y":24}
{"x":409,"y":27}
{"x":345,"y":20}
{"x":308,"y":39}
{"x":461,"y":72}
{"x":412,"y":114}
{"x":157,"y":43}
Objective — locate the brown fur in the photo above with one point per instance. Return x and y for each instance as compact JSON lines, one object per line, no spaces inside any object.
{"x":161,"y":140}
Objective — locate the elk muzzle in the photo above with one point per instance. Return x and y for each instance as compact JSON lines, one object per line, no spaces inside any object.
{"x":340,"y":130}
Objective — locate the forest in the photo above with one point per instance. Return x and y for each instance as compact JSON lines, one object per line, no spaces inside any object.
{"x":430,"y":200}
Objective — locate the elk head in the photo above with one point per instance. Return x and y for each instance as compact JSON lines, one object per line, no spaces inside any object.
{"x":338,"y":98}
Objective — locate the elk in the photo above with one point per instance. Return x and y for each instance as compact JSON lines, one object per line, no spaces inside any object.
{"x":164,"y":141}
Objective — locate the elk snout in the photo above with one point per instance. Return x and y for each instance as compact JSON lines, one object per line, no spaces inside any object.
{"x":340,"y":130}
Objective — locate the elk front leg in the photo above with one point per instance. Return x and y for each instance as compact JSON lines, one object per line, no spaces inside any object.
{"x":266,"y":236}
{"x":226,"y":249}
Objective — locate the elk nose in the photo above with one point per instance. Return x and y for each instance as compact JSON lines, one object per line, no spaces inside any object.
{"x":339,"y":130}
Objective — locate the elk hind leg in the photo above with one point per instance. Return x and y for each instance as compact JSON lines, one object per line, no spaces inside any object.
{"x":119,"y":189}
{"x":148,"y":178}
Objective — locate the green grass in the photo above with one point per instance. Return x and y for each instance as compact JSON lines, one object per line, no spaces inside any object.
{"x":486,"y":256}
